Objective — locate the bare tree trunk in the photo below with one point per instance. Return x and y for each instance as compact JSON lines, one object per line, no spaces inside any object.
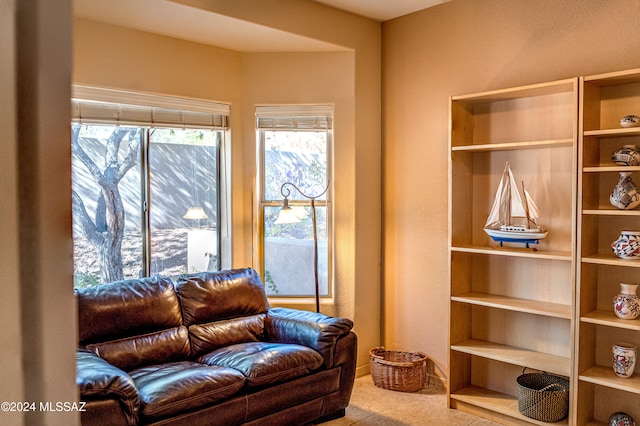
{"x":111,"y":246}
{"x":107,"y":231}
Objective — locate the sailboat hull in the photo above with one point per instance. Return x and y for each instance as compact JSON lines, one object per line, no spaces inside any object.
{"x":521,"y":236}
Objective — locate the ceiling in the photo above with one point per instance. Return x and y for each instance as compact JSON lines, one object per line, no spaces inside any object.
{"x":169,"y":18}
{"x":381,"y":10}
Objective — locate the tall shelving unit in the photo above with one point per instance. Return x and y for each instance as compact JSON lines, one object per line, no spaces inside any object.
{"x":511,"y":307}
{"x":605,"y":99}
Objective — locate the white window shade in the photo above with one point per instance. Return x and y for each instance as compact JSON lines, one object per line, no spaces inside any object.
{"x":299,"y":117}
{"x":108,"y":106}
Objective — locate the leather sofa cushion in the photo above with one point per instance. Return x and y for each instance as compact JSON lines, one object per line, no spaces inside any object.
{"x":214,"y":335}
{"x":216,"y":296}
{"x":127,"y":308}
{"x":171,"y":388}
{"x":163,"y":346}
{"x":265,"y":363}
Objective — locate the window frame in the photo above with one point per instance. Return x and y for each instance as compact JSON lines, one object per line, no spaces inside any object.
{"x":280,"y":114}
{"x":167,"y":112}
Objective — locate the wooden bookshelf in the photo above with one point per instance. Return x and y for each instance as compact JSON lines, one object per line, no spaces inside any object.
{"x":605,"y":99}
{"x":511,"y":307}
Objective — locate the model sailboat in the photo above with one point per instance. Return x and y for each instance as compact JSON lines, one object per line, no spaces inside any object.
{"x":513,"y":218}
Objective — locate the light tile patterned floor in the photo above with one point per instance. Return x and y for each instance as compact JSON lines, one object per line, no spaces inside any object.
{"x":373,"y":406}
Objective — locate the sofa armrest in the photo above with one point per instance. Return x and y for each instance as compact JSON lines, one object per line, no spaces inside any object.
{"x":311,"y":329}
{"x":345,"y":356}
{"x":98,"y":380}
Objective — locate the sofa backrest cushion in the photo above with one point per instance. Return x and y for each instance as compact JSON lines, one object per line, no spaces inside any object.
{"x":148,"y":349}
{"x":211,"y":336}
{"x":127,"y":308}
{"x":216,"y":296}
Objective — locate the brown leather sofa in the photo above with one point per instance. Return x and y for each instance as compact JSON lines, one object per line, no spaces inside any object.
{"x":207,"y":349}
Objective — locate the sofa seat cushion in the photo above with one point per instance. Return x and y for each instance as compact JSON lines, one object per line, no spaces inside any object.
{"x":171,"y":388}
{"x":264,"y":363}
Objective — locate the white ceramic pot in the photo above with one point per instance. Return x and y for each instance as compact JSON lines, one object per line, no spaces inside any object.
{"x":627,"y":246}
{"x":628,"y":155}
{"x":621,"y":419}
{"x":626,"y":305}
{"x":630,"y":121}
{"x":624,"y":359}
{"x":625,"y":195}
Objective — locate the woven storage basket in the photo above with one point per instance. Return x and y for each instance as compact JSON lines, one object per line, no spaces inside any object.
{"x":543,"y":396}
{"x":398,"y":371}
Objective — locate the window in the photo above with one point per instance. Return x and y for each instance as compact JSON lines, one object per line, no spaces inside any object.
{"x":147,"y":188}
{"x":295,"y":147}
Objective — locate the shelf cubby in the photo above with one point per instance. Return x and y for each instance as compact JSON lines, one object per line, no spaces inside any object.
{"x":606,"y":98}
{"x":598,"y":401}
{"x":490,"y":390}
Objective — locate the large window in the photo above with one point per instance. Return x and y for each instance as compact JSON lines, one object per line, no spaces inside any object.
{"x":147,"y":193}
{"x":295,"y":148}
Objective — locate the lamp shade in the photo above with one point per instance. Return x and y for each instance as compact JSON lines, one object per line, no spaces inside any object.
{"x":287,"y":214}
{"x":300,"y":212}
{"x":195,"y":213}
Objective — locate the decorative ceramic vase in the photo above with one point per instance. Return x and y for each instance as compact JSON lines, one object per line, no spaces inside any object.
{"x":625,"y":195}
{"x":624,"y":359}
{"x":630,"y":121}
{"x":621,"y":419}
{"x":628,"y":155}
{"x":627,"y":246}
{"x":626,"y":305}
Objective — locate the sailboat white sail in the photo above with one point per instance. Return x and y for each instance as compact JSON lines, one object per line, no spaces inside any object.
{"x":511,"y":219}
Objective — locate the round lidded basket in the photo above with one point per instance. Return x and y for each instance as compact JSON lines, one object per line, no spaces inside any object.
{"x":397,"y":370}
{"x":543,"y":396}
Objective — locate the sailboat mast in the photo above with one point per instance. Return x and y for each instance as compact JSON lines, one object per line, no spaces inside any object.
{"x":507,"y":199}
{"x":526,"y":206}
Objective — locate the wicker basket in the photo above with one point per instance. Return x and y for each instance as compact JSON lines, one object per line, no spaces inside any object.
{"x":398,"y":371}
{"x":543,"y":396}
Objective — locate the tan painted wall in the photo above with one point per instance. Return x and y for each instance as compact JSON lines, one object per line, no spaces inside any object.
{"x":358,"y":198}
{"x":461,"y":47}
{"x":110,"y":56}
{"x":38,"y":337}
{"x":10,"y":311}
{"x":116,"y":57}
{"x":312,"y":78}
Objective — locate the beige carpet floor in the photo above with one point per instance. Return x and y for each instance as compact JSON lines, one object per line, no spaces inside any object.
{"x":371,"y":406}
